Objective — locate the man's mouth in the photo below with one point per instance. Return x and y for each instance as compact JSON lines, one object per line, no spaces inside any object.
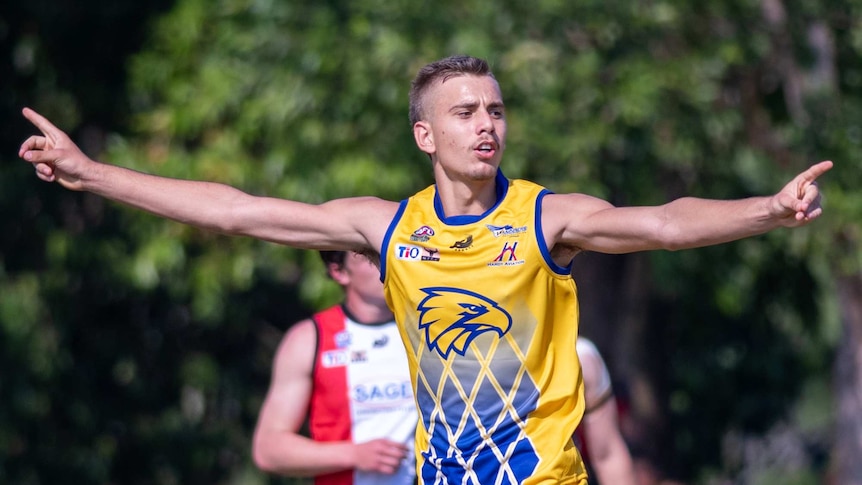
{"x":486,"y":149}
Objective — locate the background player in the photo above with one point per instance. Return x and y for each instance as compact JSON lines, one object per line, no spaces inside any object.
{"x":345,"y":371}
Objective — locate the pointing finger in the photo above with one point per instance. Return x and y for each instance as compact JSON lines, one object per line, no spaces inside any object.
{"x":42,"y":123}
{"x":807,"y":191}
{"x":816,"y":171}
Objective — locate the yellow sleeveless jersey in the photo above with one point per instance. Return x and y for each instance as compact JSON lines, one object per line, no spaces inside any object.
{"x":490,"y":324}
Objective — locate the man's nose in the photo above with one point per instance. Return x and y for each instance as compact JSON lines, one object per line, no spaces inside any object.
{"x":484,"y":122}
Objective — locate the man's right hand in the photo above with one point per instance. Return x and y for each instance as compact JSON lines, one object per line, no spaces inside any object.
{"x":53,"y":154}
{"x":380,"y":456}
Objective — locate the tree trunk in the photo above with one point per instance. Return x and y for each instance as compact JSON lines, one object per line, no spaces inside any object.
{"x":848,"y":384}
{"x":613,"y":295}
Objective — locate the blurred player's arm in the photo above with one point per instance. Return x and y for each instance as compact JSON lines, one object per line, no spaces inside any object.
{"x":609,"y":454}
{"x":279,"y":448}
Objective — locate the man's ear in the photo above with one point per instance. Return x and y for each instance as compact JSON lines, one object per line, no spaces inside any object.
{"x":337,"y":273}
{"x":424,"y":138}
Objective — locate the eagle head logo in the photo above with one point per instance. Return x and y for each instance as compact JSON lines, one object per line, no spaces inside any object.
{"x":452,"y":318}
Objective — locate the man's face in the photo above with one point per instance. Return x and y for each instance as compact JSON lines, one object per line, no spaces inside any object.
{"x":362,"y":277}
{"x":465,"y":130}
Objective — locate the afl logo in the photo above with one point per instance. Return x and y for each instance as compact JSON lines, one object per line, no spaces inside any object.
{"x":422,"y":234}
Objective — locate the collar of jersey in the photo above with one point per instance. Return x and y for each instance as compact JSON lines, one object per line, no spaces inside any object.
{"x":502,"y":186}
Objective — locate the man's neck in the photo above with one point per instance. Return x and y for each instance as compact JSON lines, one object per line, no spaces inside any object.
{"x":365,"y":312}
{"x":467,"y":198}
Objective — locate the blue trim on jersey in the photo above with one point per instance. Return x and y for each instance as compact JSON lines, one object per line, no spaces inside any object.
{"x":384,"y":248}
{"x":501,"y":186}
{"x":543,"y":245}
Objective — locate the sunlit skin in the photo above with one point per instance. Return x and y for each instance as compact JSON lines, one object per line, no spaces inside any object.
{"x":464,"y":178}
{"x":465,"y":136}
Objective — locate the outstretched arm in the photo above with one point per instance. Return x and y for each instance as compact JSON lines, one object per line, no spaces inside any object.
{"x":592,"y":224}
{"x":278,"y":447}
{"x":357,"y":223}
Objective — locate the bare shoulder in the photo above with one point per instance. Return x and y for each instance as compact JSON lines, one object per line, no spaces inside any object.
{"x":590,"y":361}
{"x":565,"y":216}
{"x":367,"y":215}
{"x":301,"y":333}
{"x":297,"y":347}
{"x":565,"y":204}
{"x":366,"y":202}
{"x":379,"y":210}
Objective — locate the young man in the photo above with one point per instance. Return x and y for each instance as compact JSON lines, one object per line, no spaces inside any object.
{"x":476,"y":268}
{"x":344,"y":369}
{"x":600,"y":438}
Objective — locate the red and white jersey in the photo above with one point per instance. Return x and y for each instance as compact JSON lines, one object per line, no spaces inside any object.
{"x":362,"y":391}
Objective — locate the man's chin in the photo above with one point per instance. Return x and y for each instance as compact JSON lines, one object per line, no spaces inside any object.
{"x":485,"y":171}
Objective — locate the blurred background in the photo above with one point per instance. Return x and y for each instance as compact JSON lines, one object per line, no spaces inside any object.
{"x":137,"y":351}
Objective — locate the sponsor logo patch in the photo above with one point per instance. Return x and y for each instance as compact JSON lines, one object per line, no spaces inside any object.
{"x":506,"y":230}
{"x":507,"y":256}
{"x":383,"y":392}
{"x":380,"y":342}
{"x":463,"y":244}
{"x":334,"y":358}
{"x":342,"y":339}
{"x":422,"y":234}
{"x":409,"y":252}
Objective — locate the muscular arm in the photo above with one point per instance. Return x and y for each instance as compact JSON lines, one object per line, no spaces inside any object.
{"x":357,"y":223}
{"x":278,"y":447}
{"x":592,"y":224}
